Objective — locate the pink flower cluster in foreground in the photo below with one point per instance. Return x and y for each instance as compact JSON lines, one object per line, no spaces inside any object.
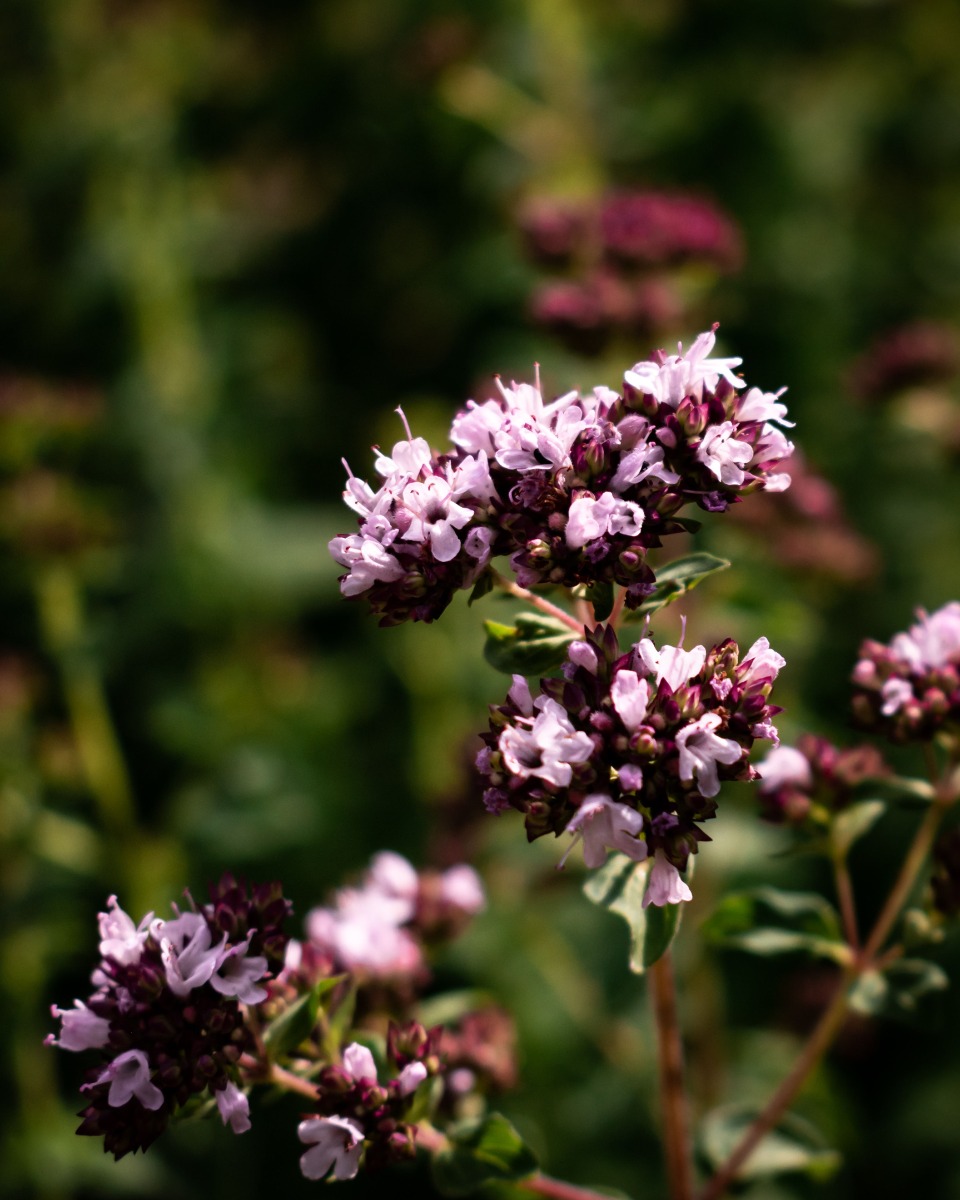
{"x":628,"y":749}
{"x":166,"y":1011}
{"x":574,"y":490}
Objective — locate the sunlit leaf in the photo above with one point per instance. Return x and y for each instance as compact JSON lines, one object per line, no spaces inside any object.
{"x":898,"y":990}
{"x":619,"y":886}
{"x":768,"y":921}
{"x":676,"y":579}
{"x":851,"y":824}
{"x":481,"y":1151}
{"x":793,"y":1146}
{"x":295,"y":1024}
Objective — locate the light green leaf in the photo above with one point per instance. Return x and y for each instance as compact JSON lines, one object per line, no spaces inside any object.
{"x":533,"y":645}
{"x":450,"y":1007}
{"x":295,"y":1024}
{"x":851,"y":824}
{"x":676,"y":579}
{"x":768,"y":921}
{"x":619,"y":886}
{"x":897,"y":991}
{"x":899,"y":789}
{"x":481,"y":1151}
{"x":793,"y":1146}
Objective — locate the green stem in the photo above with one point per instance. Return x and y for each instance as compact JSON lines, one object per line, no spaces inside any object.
{"x":783,"y":1097}
{"x":848,"y":908}
{"x":61,"y":619}
{"x":673,"y":1097}
{"x":912,"y":865}
{"x":832,"y":1019}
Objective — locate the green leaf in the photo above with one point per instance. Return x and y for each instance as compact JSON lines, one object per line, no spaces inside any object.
{"x":295,"y":1024}
{"x":676,"y":579}
{"x":619,"y":886}
{"x":897,"y":991}
{"x":600,"y":595}
{"x":851,"y":824}
{"x":794,"y":1145}
{"x":533,"y":645}
{"x":482,"y":587}
{"x":914,"y":793}
{"x":338,"y":1024}
{"x":481,"y":1151}
{"x":450,"y":1007}
{"x":768,"y":921}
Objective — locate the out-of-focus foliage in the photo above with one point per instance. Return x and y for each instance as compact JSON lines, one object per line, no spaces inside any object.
{"x":233,"y":238}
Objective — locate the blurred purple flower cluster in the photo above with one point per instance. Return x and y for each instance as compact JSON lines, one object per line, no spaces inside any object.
{"x":909,"y":690}
{"x":616,"y":262}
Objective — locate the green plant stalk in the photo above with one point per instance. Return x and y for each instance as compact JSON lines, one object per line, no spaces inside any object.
{"x":61,"y":619}
{"x":832,"y":1019}
{"x":848,"y":908}
{"x":817,"y":1045}
{"x":912,"y":865}
{"x":673,"y":1096}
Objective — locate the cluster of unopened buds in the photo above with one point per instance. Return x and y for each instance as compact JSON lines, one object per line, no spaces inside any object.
{"x":182,"y":1010}
{"x":573,"y":491}
{"x":627,"y":749}
{"x":807,"y":784}
{"x":618,"y":265}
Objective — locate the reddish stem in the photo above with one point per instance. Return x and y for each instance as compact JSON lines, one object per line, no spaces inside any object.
{"x":545,"y":606}
{"x":673,"y":1098}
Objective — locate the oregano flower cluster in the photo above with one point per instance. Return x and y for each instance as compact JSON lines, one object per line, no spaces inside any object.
{"x":909,"y":690}
{"x":573,"y":491}
{"x":627,"y":749}
{"x":218,"y":999}
{"x":167,"y":1012}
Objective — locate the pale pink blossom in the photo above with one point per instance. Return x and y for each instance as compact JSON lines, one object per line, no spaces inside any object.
{"x":933,"y":642}
{"x":234,"y":1107}
{"x":336,"y":1144}
{"x":358,"y":1063}
{"x":460,"y":887}
{"x":548,"y":748}
{"x":630,"y":695}
{"x":701,"y":750}
{"x":120,"y":938}
{"x":665,"y":885}
{"x":80,"y":1029}
{"x":601,"y":824}
{"x":680,"y":375}
{"x":129,"y":1077}
{"x":784,"y":767}
{"x":723,"y":454}
{"x":591,"y":518}
{"x":896,"y":693}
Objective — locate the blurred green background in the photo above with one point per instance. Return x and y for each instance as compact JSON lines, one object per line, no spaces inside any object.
{"x":233,"y":238}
